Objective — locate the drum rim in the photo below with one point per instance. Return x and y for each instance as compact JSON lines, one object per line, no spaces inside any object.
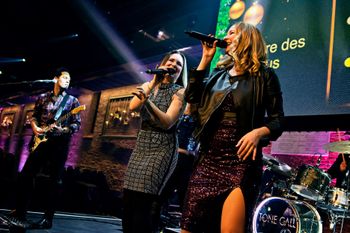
{"x":316,"y":191}
{"x":339,"y":207}
{"x":291,"y":204}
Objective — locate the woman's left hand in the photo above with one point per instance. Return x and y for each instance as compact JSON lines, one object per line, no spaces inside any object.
{"x":141,"y":94}
{"x":248,"y":143}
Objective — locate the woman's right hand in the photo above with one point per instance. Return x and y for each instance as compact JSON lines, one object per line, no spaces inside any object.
{"x":209,"y":49}
{"x":158,"y":78}
{"x":140,"y":94}
{"x":208,"y":52}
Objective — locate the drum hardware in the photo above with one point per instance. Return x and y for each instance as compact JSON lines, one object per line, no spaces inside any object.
{"x":319,"y":159}
{"x":279,"y":167}
{"x":337,"y":206}
{"x":335,"y":217}
{"x":275,"y":178}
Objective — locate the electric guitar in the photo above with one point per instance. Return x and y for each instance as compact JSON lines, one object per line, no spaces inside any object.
{"x":37,"y":139}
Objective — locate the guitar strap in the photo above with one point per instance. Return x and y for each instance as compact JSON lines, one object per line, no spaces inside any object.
{"x":61,"y":107}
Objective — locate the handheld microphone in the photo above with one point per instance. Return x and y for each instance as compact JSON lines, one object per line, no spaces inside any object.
{"x":161,"y":71}
{"x":206,"y":38}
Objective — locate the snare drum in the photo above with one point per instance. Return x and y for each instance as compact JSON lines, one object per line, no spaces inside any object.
{"x":337,"y":200}
{"x":311,"y":182}
{"x":280,"y":215}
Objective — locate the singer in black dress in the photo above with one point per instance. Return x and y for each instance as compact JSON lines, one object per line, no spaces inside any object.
{"x":233,"y":102}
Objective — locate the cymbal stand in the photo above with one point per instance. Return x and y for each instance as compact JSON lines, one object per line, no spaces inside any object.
{"x":334,"y":218}
{"x":265,"y":186}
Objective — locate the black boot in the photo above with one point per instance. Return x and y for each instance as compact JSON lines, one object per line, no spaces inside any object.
{"x":13,"y":219}
{"x":44,"y":223}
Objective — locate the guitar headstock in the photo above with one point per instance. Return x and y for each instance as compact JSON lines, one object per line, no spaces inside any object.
{"x":78,"y":109}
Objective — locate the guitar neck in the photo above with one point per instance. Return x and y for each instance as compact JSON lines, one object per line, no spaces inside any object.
{"x":64,"y":117}
{"x":67,"y":115}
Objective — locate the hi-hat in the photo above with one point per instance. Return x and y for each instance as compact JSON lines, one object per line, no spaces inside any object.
{"x":279,"y":167}
{"x":340,"y":146}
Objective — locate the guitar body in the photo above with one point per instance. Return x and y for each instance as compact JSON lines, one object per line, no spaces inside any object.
{"x":37,"y":139}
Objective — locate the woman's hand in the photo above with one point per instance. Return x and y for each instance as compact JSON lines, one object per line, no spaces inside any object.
{"x":140,"y":93}
{"x":158,"y":78}
{"x":208,"y":51}
{"x":247,"y":145}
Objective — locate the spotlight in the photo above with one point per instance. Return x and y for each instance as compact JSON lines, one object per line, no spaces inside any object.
{"x":254,"y":14}
{"x":162,"y":35}
{"x":237,"y":9}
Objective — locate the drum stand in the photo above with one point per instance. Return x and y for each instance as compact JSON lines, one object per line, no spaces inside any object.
{"x":334,"y":218}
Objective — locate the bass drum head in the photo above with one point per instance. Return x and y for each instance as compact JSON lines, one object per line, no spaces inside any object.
{"x":280,"y":215}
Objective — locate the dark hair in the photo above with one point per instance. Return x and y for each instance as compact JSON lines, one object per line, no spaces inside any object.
{"x":59,"y":71}
{"x":183,"y":75}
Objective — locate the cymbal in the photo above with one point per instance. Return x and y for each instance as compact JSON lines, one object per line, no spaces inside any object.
{"x":279,"y":167}
{"x":340,"y":146}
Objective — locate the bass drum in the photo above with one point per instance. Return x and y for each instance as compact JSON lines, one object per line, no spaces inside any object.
{"x":280,"y":215}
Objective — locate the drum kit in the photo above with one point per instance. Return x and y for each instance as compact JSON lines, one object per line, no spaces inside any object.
{"x":290,"y":199}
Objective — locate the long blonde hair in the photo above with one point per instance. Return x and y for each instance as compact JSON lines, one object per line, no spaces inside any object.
{"x":249,"y":54}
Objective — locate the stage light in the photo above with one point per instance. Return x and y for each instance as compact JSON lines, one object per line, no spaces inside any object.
{"x":237,"y":9}
{"x":108,"y":34}
{"x":254,"y":14}
{"x":347,"y":62}
{"x":0,"y":72}
{"x":162,"y":35}
{"x":184,"y":49}
{"x":11,"y":60}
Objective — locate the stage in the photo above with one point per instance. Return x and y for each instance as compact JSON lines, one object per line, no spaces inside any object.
{"x":72,"y":223}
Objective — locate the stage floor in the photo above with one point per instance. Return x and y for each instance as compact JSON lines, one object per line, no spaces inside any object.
{"x":72,"y":223}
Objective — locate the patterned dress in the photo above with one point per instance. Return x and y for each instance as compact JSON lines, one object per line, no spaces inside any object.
{"x":155,"y":155}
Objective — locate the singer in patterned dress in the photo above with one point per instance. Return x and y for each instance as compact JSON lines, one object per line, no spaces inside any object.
{"x":155,"y":155}
{"x":233,"y":102}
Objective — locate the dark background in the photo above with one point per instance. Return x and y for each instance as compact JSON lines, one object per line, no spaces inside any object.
{"x":116,"y":42}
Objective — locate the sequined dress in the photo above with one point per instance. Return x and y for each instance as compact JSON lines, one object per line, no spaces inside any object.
{"x":154,"y":158}
{"x":218,"y":173}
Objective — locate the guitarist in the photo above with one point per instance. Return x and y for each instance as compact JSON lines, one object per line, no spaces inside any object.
{"x":51,"y":154}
